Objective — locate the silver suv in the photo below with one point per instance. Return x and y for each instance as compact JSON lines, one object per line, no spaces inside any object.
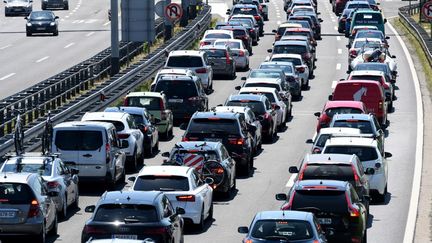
{"x":26,"y":207}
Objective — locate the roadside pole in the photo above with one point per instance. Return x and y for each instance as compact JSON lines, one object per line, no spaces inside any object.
{"x":167,"y":22}
{"x":185,"y":18}
{"x":115,"y":55}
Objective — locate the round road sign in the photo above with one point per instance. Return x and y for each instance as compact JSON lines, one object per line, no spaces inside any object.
{"x":173,"y":11}
{"x":427,"y":10}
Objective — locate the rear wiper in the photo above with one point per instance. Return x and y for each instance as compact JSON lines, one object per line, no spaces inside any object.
{"x":276,"y":237}
{"x":217,"y":131}
{"x":167,"y":189}
{"x":131,"y":219}
{"x":313,"y":209}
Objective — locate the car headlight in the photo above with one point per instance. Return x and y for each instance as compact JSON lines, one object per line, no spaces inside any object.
{"x":29,"y":24}
{"x":52,"y":23}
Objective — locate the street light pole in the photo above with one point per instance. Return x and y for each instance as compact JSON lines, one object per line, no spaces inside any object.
{"x":115,"y":55}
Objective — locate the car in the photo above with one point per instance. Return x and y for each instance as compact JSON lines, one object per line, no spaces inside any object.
{"x":57,"y":176}
{"x":238,"y":51}
{"x":247,"y":9}
{"x":253,"y":25}
{"x":378,"y":54}
{"x":210,"y":36}
{"x":185,"y":96}
{"x":173,"y":72}
{"x":94,"y":148}
{"x":146,"y":124}
{"x":279,"y":32}
{"x":367,"y":123}
{"x":368,"y":151}
{"x":338,"y":107}
{"x":134,"y":215}
{"x":27,"y":207}
{"x":292,"y":81}
{"x":283,"y":226}
{"x":17,"y":7}
{"x":277,"y":101}
{"x":321,"y":137}
{"x":62,"y":4}
{"x":241,"y":33}
{"x":383,"y":67}
{"x":290,"y":33}
{"x":301,"y":67}
{"x":374,"y":5}
{"x":127,"y":130}
{"x":368,"y":17}
{"x":221,"y":59}
{"x":299,"y":3}
{"x":339,"y":167}
{"x":156,"y":105}
{"x":42,"y":22}
{"x":263,"y":4}
{"x":302,"y":8}
{"x":359,"y":45}
{"x":353,"y":5}
{"x":295,"y":47}
{"x":250,"y":119}
{"x":373,"y":34}
{"x":262,"y":109}
{"x":228,"y":128}
{"x":316,"y":22}
{"x":183,"y":186}
{"x":336,"y":205}
{"x":190,"y":153}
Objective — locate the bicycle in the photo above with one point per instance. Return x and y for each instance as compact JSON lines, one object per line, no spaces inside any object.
{"x":18,"y":134}
{"x":47,"y":135}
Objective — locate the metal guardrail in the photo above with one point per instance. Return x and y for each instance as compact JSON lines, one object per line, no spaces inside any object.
{"x":416,"y":30}
{"x":58,"y":97}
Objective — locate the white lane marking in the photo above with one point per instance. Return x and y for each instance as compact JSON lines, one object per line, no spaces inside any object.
{"x":67,"y":16}
{"x":336,"y":28}
{"x":42,"y":59}
{"x":7,"y":76}
{"x":339,"y":51}
{"x":338,"y":66}
{"x":278,"y":22}
{"x":333,"y":20}
{"x":107,"y":23}
{"x":338,"y":38}
{"x":415,"y":191}
{"x":291,"y":180}
{"x":90,"y":34}
{"x":4,"y":47}
{"x":334,"y":83}
{"x":69,"y":45}
{"x":73,"y":11}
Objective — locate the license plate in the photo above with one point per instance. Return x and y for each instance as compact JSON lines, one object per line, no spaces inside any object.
{"x":7,"y":214}
{"x":40,"y":28}
{"x":175,"y":100}
{"x":213,"y":139}
{"x":126,"y":237}
{"x":324,"y":220}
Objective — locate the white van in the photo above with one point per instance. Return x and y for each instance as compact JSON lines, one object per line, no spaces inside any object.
{"x":93,"y":148}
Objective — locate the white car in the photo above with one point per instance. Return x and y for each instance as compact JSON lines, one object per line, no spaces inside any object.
{"x":196,"y":61}
{"x":369,"y":154}
{"x":16,"y":7}
{"x":273,"y":95}
{"x":319,"y":139}
{"x":240,"y":53}
{"x":360,"y":44}
{"x":297,"y":60}
{"x":172,"y":72}
{"x":127,"y":130}
{"x":183,"y":187}
{"x":384,"y":57}
{"x":210,"y":36}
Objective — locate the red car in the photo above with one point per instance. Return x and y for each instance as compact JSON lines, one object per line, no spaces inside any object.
{"x":338,"y":107}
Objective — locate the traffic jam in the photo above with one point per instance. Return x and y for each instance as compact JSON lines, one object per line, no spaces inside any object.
{"x":344,"y":172}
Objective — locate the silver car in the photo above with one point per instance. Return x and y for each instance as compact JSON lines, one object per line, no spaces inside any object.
{"x":57,"y":176}
{"x":239,"y":52}
{"x":26,"y":208}
{"x":18,"y":7}
{"x":221,"y":59}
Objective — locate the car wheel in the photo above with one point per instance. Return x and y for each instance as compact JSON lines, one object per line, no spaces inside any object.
{"x":200,"y":225}
{"x":43,"y":7}
{"x":66,"y":7}
{"x":76,"y":202}
{"x":54,"y":227}
{"x":41,"y":237}
{"x":364,"y":240}
{"x":63,"y":212}
{"x":55,"y":33}
{"x":28,"y":33}
{"x":109,"y":182}
{"x":390,"y":107}
{"x":156,"y":147}
{"x":210,"y":216}
{"x":148,"y":152}
{"x":380,"y":198}
{"x":134,"y":161}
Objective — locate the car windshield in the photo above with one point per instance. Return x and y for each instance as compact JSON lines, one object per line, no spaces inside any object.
{"x":363,"y":152}
{"x":364,"y":126}
{"x":78,"y":140}
{"x":41,"y":16}
{"x":215,"y":53}
{"x":204,"y":125}
{"x":369,"y":34}
{"x":184,"y":61}
{"x":150,"y":103}
{"x":282,"y":230}
{"x":161,"y":183}
{"x":232,"y":45}
{"x":357,"y":5}
{"x":217,"y":36}
{"x":340,"y":172}
{"x":325,"y":200}
{"x":266,"y":85}
{"x":256,"y":106}
{"x":40,"y":168}
{"x":342,"y":110}
{"x":263,"y":74}
{"x":177,"y":89}
{"x":15,"y":193}
{"x":285,"y":68}
{"x":121,"y":212}
{"x":247,"y":11}
{"x":295,"y":61}
{"x":22,"y":1}
{"x":269,"y":96}
{"x":247,"y":22}
{"x":287,"y":49}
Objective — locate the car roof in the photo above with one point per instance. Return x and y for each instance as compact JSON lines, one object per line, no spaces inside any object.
{"x":373,"y":27}
{"x":213,"y":47}
{"x":289,"y":55}
{"x":127,"y":109}
{"x":328,"y":158}
{"x":130,"y":197}
{"x":185,"y":53}
{"x":209,"y":114}
{"x":343,"y":103}
{"x":279,"y":214}
{"x":207,"y":145}
{"x":238,"y":109}
{"x":258,"y":89}
{"x":278,"y":63}
{"x":165,"y":170}
{"x":105,"y":125}
{"x":348,"y":141}
{"x":100,"y":115}
{"x":294,"y":37}
{"x":321,"y":185}
{"x":287,"y":25}
{"x":367,"y":117}
{"x":219,"y":31}
{"x":12,"y":177}
{"x":252,"y":97}
{"x":339,"y":130}
{"x":290,"y":42}
{"x":177,"y":71}
{"x":369,"y":39}
{"x":144,"y":94}
{"x":367,"y":72}
{"x":263,"y":80}
{"x":229,"y":40}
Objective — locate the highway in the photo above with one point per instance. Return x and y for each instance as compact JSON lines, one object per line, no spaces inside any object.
{"x":256,"y":193}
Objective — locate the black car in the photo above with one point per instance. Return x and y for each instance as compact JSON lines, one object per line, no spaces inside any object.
{"x":336,"y":205}
{"x":42,"y":22}
{"x":249,"y":25}
{"x":241,"y":33}
{"x":248,"y":9}
{"x":230,"y":129}
{"x":57,"y":4}
{"x":316,"y":22}
{"x":185,"y":95}
{"x":134,"y":215}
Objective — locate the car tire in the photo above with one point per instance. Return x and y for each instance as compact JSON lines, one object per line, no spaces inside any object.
{"x":156,"y":147}
{"x":123,"y":177}
{"x":109,"y":182}
{"x":380,"y":198}
{"x":390,"y":107}
{"x":41,"y":237}
{"x":201,"y":223}
{"x":75,"y":204}
{"x":233,"y":74}
{"x":210,"y":216}
{"x":63,"y":212}
{"x":28,"y":33}
{"x":66,"y":7}
{"x":134,"y":161}
{"x":364,"y":239}
{"x":148,"y":152}
{"x":43,"y":7}
{"x":54,"y":227}
{"x":55,"y":33}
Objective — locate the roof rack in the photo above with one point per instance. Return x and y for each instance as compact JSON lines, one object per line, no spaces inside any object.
{"x":32,"y":154}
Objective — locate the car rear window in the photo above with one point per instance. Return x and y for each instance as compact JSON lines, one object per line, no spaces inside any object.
{"x":40,"y":168}
{"x":281,"y":30}
{"x":342,"y":110}
{"x":266,"y":85}
{"x":181,"y":155}
{"x":364,"y":153}
{"x":263,"y":74}
{"x":238,"y":33}
{"x":364,"y":126}
{"x":78,"y":140}
{"x":325,"y":200}
{"x":357,"y":6}
{"x":286,"y":49}
{"x":367,"y":44}
{"x":368,"y":34}
{"x":217,"y":36}
{"x":367,"y":18}
{"x":177,"y":88}
{"x":15,"y":193}
{"x":256,"y":106}
{"x":215,"y":53}
{"x":322,"y":139}
{"x":247,"y":11}
{"x":366,"y":77}
{"x":269,"y":96}
{"x":184,"y":61}
{"x":284,"y":230}
{"x":302,"y":33}
{"x":233,"y":45}
{"x":285,"y":68}
{"x":150,"y":103}
{"x":340,"y":172}
{"x":372,"y":66}
{"x":216,"y":124}
{"x":295,"y":61}
{"x":121,"y":212}
{"x":161,"y":183}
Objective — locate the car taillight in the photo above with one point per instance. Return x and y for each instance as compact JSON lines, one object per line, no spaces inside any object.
{"x":93,"y":230}
{"x":356,"y":178}
{"x":267,"y":116}
{"x":108,"y":152}
{"x":144,"y":130}
{"x":257,"y":17}
{"x":156,"y":231}
{"x":185,"y":139}
{"x":301,"y":173}
{"x":380,"y":105}
{"x":186,"y":198}
{"x":236,"y":141}
{"x":123,"y":135}
{"x":34,"y":209}
{"x":353,"y":53}
{"x":201,"y":70}
{"x":277,"y":37}
{"x":289,"y":205}
{"x":227,"y":58}
{"x":163,"y":115}
{"x":300,"y":69}
{"x":251,"y":30}
{"x":218,"y":171}
{"x":343,"y":20}
{"x":126,"y":102}
{"x":306,"y":56}
{"x":241,"y":53}
{"x":356,"y":239}
{"x":204,"y":43}
{"x":354,"y":212}
{"x":52,"y":184}
{"x":316,"y":151}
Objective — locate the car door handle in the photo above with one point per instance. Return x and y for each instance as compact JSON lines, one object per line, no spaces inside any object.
{"x":87,"y":155}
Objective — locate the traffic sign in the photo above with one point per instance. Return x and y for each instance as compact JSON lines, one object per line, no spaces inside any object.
{"x":173,"y":11}
{"x":427,"y":10}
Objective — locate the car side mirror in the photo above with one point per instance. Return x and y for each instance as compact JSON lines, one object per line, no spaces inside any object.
{"x":90,"y":209}
{"x":317,"y":114}
{"x":320,"y":20}
{"x":74,"y":171}
{"x":392,"y":81}
{"x":370,"y":171}
{"x":309,"y":140}
{"x":388,"y":155}
{"x":180,"y":211}
{"x":281,"y":197}
{"x":347,"y":46}
{"x":293,"y":169}
{"x":140,"y":126}
{"x":276,"y":107}
{"x":237,"y":87}
{"x":209,"y":180}
{"x":366,"y":198}
{"x":243,"y":230}
{"x":183,"y":126}
{"x":330,"y":97}
{"x":165,"y":154}
{"x":24,"y":17}
{"x":393,"y":56}
{"x":269,"y":50}
{"x":348,"y":72}
{"x":131,"y":178}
